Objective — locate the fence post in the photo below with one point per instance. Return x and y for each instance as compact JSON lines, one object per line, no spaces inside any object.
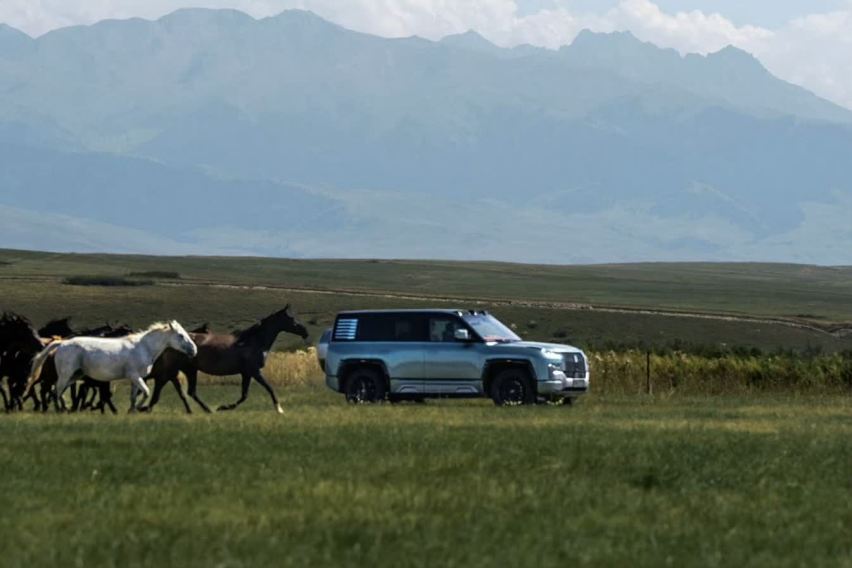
{"x":648,"y":372}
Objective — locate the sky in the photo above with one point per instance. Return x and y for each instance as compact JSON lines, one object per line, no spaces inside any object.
{"x":806,"y":42}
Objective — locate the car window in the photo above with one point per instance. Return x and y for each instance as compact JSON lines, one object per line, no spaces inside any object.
{"x":382,"y":327}
{"x":443,"y":329}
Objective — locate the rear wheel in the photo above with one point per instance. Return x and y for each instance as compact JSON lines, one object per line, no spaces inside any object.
{"x":365,"y":385}
{"x":512,"y":387}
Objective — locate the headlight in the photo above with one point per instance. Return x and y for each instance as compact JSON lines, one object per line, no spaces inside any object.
{"x":551,"y":355}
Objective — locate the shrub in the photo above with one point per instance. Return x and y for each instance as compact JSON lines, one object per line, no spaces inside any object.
{"x":624,"y":372}
{"x":163,"y":274}
{"x":83,"y":280}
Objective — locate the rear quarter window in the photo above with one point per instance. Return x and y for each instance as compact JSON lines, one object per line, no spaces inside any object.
{"x":381,"y":327}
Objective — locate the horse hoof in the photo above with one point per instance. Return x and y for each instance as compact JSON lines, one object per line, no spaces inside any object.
{"x":278,"y":409}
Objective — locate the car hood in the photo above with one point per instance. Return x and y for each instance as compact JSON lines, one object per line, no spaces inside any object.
{"x":537,"y":346}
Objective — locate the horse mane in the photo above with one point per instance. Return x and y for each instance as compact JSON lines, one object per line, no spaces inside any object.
{"x":247,"y":333}
{"x":159,"y":326}
{"x":243,"y":335}
{"x":12,"y":319}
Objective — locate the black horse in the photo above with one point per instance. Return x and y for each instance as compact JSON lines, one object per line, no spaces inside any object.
{"x":240,"y":353}
{"x":19,"y":343}
{"x":57,"y":328}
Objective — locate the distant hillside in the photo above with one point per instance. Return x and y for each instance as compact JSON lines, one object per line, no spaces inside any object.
{"x":344,"y":144}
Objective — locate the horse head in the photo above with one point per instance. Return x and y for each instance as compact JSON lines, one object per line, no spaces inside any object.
{"x":202,"y":329}
{"x":179,"y":340}
{"x":286,"y":320}
{"x":17,"y":331}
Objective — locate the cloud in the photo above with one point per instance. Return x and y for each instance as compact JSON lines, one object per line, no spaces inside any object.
{"x":688,"y":32}
{"x":813,"y":51}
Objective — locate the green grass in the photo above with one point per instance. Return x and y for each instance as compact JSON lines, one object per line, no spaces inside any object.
{"x":759,"y":481}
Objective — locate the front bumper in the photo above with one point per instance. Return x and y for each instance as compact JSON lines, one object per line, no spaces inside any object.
{"x":560,"y":385}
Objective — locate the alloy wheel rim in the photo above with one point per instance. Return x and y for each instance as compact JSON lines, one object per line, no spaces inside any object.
{"x":513,"y":391}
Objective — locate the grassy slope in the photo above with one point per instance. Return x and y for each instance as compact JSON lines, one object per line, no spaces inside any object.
{"x":32,"y":284}
{"x":755,"y":289}
{"x":636,"y":482}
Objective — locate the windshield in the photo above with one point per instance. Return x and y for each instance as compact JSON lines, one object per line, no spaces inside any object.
{"x":490,"y":328}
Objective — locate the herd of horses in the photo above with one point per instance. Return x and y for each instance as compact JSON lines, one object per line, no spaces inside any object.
{"x":41,"y":364}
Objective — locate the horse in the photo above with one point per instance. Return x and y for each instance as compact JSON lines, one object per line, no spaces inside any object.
{"x":19,"y":343}
{"x":109,"y":359}
{"x":102,"y":390}
{"x":57,"y":328}
{"x":60,"y":329}
{"x":239,"y":353}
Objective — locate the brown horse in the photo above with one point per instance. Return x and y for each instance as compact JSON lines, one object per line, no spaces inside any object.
{"x":240,"y":353}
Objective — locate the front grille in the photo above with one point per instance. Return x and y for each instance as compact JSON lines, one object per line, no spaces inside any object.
{"x":574,"y":365}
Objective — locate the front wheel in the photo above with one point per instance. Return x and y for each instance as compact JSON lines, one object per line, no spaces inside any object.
{"x":365,"y":386}
{"x":512,"y":387}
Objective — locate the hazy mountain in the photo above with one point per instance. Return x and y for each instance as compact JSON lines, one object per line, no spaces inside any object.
{"x":217,"y":130}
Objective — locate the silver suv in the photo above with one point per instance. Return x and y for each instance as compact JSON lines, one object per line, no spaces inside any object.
{"x":414,"y":354}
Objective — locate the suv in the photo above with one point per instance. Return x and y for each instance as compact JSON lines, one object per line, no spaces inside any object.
{"x":414,"y":354}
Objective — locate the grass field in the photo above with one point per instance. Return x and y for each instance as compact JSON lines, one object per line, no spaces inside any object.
{"x":729,"y":463}
{"x":625,"y":481}
{"x":537,"y":300}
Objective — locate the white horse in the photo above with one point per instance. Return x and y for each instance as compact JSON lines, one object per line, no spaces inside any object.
{"x":107,"y":359}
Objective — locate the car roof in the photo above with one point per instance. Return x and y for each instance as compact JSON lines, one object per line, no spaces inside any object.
{"x":411,"y":311}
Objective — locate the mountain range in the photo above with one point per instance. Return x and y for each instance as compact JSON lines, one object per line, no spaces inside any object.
{"x":208,"y":131}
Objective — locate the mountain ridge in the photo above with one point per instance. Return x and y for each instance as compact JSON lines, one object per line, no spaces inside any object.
{"x":653,"y":155}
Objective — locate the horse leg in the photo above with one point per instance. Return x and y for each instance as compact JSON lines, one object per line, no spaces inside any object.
{"x":191,"y":386}
{"x":88,"y":392}
{"x":5,"y":398}
{"x":258,"y":376}
{"x":64,"y":379}
{"x":75,"y":400}
{"x":138,"y":385}
{"x":36,"y":402}
{"x":174,"y":380}
{"x":245,"y":389}
{"x":159,"y":383}
{"x":106,"y":398}
{"x":78,"y":395}
{"x":46,"y":395}
{"x":94,"y":401}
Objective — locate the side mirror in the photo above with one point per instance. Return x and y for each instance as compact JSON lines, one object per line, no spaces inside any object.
{"x":462,"y":335}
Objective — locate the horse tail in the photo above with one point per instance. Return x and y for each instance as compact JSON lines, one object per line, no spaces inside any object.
{"x":38,"y":363}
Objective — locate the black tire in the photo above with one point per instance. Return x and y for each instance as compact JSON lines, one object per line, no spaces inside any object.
{"x":513,"y":387}
{"x":365,"y":386}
